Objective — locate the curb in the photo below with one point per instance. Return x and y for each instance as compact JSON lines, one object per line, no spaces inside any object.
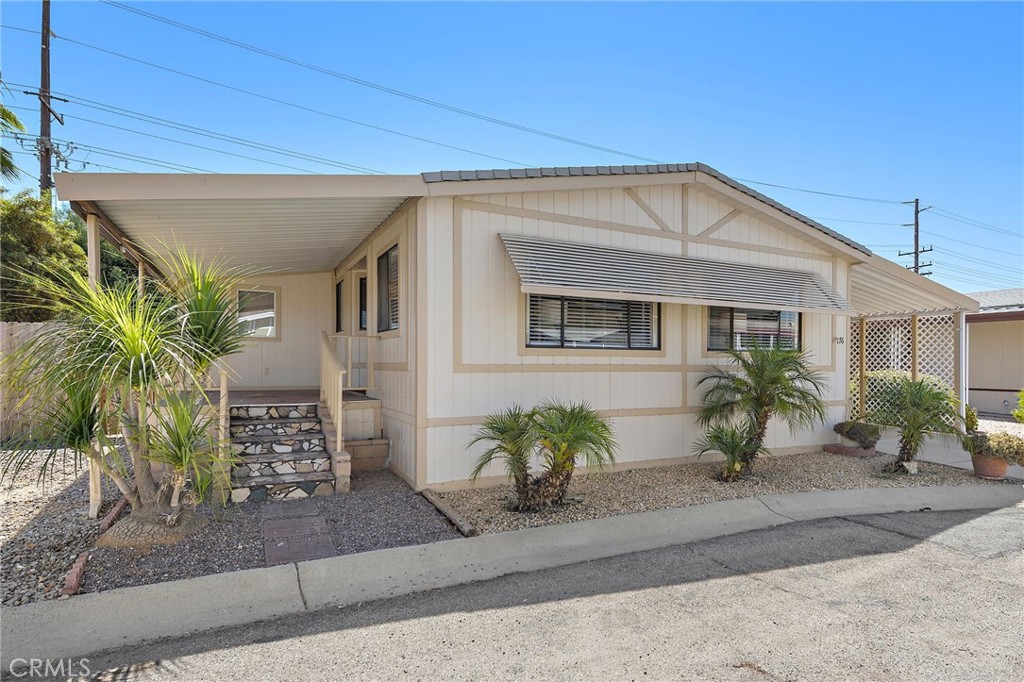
{"x":92,"y":622}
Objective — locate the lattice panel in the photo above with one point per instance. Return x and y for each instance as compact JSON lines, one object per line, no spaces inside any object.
{"x":889,"y":355}
{"x":936,"y":348}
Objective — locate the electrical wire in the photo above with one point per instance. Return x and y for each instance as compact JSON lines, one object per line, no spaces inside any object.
{"x":370,"y":84}
{"x":973,"y":223}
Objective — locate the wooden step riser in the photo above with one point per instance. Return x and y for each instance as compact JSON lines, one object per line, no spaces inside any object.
{"x":271,"y":428}
{"x":274,"y":411}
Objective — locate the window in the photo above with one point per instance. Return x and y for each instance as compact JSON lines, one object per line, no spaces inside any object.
{"x":387,"y":290}
{"x":564,"y":322}
{"x":362,"y":303}
{"x":741,"y":328}
{"x":339,"y":307}
{"x":257,"y":313}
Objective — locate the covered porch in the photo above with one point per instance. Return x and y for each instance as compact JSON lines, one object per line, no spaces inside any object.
{"x":287,"y":235}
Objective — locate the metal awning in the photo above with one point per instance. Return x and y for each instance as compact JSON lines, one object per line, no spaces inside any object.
{"x":555,"y":267}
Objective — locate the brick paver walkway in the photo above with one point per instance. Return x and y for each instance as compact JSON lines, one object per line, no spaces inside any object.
{"x":295,"y":531}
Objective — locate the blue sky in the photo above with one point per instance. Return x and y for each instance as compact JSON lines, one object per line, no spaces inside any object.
{"x":886,"y":101}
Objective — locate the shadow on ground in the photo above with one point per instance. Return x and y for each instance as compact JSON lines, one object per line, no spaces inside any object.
{"x":816,"y":547}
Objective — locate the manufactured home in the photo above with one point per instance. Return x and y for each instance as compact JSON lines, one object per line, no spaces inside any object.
{"x":399,"y":310}
{"x":996,"y":356}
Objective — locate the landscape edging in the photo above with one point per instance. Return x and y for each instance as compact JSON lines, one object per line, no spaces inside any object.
{"x":93,"y":622}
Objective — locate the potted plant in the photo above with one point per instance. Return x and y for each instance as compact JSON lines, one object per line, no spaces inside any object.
{"x":992,"y":453}
{"x":857,"y":439}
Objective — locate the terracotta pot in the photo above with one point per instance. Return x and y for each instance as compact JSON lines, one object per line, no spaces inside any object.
{"x":989,"y":468}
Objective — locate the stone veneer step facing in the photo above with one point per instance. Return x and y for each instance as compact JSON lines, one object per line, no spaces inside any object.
{"x":281,"y":453}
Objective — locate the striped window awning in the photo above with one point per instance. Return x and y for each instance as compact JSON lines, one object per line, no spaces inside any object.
{"x":548,"y":266}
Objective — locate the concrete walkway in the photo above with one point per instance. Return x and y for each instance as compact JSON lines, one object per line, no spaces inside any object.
{"x":93,"y":622}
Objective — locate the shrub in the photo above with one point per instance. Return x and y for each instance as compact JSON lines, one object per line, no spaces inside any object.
{"x":1018,"y":414}
{"x":920,"y":410}
{"x":866,"y":435}
{"x":1004,"y":446}
{"x":970,"y":419}
{"x":733,"y":442}
{"x":884,"y":387}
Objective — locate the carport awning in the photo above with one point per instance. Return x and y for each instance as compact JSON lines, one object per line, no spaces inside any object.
{"x":555,"y":267}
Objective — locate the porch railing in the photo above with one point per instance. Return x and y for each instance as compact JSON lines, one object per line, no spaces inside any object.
{"x":346,"y":364}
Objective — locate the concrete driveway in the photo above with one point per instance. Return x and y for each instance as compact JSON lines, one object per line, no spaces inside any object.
{"x":912,"y":596}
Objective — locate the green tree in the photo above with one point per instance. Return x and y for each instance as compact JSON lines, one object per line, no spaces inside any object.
{"x":759,"y":384}
{"x":919,"y":410}
{"x":9,"y":123}
{"x":32,"y":241}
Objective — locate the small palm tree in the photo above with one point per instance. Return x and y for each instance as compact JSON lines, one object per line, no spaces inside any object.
{"x":559,"y":434}
{"x":182,"y":440}
{"x":566,"y":432}
{"x":9,"y":124}
{"x":919,"y":410}
{"x":761,"y":383}
{"x":513,"y":437}
{"x":733,"y":442}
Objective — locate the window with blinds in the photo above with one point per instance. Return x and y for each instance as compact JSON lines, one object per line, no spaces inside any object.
{"x":565,"y":322}
{"x":387,"y":290}
{"x":741,"y":328}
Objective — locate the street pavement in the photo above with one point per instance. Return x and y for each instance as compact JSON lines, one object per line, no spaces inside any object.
{"x":930,"y":596}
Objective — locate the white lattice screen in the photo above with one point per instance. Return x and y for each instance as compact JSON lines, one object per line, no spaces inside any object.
{"x":922,"y":347}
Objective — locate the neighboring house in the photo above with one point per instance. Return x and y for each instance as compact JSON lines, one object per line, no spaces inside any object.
{"x":452,"y":295}
{"x":996,"y":350}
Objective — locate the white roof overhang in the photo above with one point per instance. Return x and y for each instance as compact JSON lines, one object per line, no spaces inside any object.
{"x":555,"y":267}
{"x":880,"y":288}
{"x":263,"y":223}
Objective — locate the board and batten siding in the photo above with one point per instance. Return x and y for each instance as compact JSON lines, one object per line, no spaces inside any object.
{"x":473,"y":318}
{"x":292,"y":360}
{"x":395,"y":359}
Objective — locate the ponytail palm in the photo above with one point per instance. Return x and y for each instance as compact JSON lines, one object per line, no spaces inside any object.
{"x":762,"y":383}
{"x":137,"y":351}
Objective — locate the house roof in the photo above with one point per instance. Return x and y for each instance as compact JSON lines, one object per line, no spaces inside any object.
{"x":999,"y":300}
{"x":650,"y":169}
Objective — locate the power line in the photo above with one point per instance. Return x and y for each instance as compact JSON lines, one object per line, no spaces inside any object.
{"x":973,"y":223}
{"x":859,"y":222}
{"x":87,"y":163}
{"x":103,"y":151}
{"x":979,"y":261}
{"x":268,"y":98}
{"x":815,"y":191}
{"x":975,"y":272}
{"x":370,"y":84}
{"x":182,"y":142}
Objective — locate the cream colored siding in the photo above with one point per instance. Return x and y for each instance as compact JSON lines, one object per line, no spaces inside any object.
{"x":306,"y":306}
{"x":996,"y":361}
{"x":475,"y":319}
{"x":395,"y":358}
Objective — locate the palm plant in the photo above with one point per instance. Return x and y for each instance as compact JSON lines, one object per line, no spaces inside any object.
{"x":733,"y":442}
{"x":759,"y":384}
{"x":137,"y":350}
{"x":9,"y":124}
{"x":558,"y":434}
{"x":512,"y":435}
{"x":919,"y":410}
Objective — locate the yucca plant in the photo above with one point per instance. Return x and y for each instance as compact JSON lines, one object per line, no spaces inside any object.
{"x":920,"y":410}
{"x":761,"y":383}
{"x":557,"y":434}
{"x":733,"y":442}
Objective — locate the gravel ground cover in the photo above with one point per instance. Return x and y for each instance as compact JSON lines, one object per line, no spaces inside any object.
{"x":1003,"y":424}
{"x":381,"y":511}
{"x":44,"y":529}
{"x":598,"y":495}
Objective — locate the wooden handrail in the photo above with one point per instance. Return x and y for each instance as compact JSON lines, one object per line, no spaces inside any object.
{"x":332,"y":387}
{"x":351,"y":356}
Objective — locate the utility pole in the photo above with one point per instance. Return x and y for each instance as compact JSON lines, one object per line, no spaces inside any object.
{"x":916,"y":253}
{"x":45,"y":163}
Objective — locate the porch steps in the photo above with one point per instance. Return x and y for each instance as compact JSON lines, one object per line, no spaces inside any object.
{"x":281,"y":453}
{"x":364,"y":441}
